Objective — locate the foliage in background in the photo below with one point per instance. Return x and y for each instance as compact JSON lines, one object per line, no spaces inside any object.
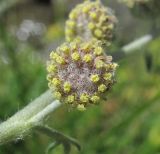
{"x":127,"y":123}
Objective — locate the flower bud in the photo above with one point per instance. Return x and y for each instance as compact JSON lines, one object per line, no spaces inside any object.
{"x":90,"y":20}
{"x":85,"y":75}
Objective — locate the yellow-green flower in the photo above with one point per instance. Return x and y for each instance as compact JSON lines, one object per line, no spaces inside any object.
{"x":77,"y":76}
{"x":90,"y":19}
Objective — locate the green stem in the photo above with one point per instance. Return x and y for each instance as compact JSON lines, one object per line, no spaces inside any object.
{"x":34,"y":107}
{"x":137,"y":44}
{"x":25,"y":120}
{"x":132,"y":46}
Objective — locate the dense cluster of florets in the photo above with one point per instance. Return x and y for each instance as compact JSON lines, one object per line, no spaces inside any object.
{"x":80,"y":73}
{"x":90,"y":20}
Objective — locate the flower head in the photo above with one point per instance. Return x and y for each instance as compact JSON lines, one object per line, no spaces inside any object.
{"x":90,"y":20}
{"x":82,"y":75}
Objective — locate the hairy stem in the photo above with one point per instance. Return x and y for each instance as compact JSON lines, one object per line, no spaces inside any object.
{"x":132,"y":46}
{"x":34,"y":107}
{"x":137,"y":44}
{"x":32,"y":115}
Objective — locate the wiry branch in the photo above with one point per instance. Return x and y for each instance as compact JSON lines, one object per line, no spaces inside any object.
{"x":133,"y":46}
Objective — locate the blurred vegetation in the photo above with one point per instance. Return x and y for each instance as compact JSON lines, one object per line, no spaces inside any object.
{"x":129,"y":121}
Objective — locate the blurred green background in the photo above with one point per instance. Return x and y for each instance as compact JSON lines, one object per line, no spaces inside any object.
{"x":129,"y":121}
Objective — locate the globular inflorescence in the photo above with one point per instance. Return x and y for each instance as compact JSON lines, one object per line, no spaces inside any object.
{"x":80,"y":73}
{"x":91,"y":19}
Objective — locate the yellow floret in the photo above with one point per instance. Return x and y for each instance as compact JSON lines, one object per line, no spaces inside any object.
{"x":98,"y":51}
{"x":56,"y":82}
{"x":69,"y":32}
{"x":111,"y":26}
{"x":64,"y":48}
{"x":57,"y":95}
{"x":87,"y":58}
{"x":94,"y":77}
{"x":60,"y":60}
{"x":91,"y":25}
{"x":95,"y":99}
{"x":107,"y":76}
{"x":67,"y":87}
{"x":103,"y":18}
{"x":102,"y":88}
{"x":98,"y":33}
{"x":81,"y":107}
{"x":99,"y":64}
{"x":53,"y":55}
{"x":111,"y":66}
{"x":71,"y":24}
{"x":73,"y":15}
{"x":75,"y":56}
{"x":70,"y":99}
{"x":86,"y":9}
{"x":86,"y":46}
{"x":84,"y":98}
{"x":93,"y":15}
{"x":114,"y":66}
{"x":51,"y":68}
